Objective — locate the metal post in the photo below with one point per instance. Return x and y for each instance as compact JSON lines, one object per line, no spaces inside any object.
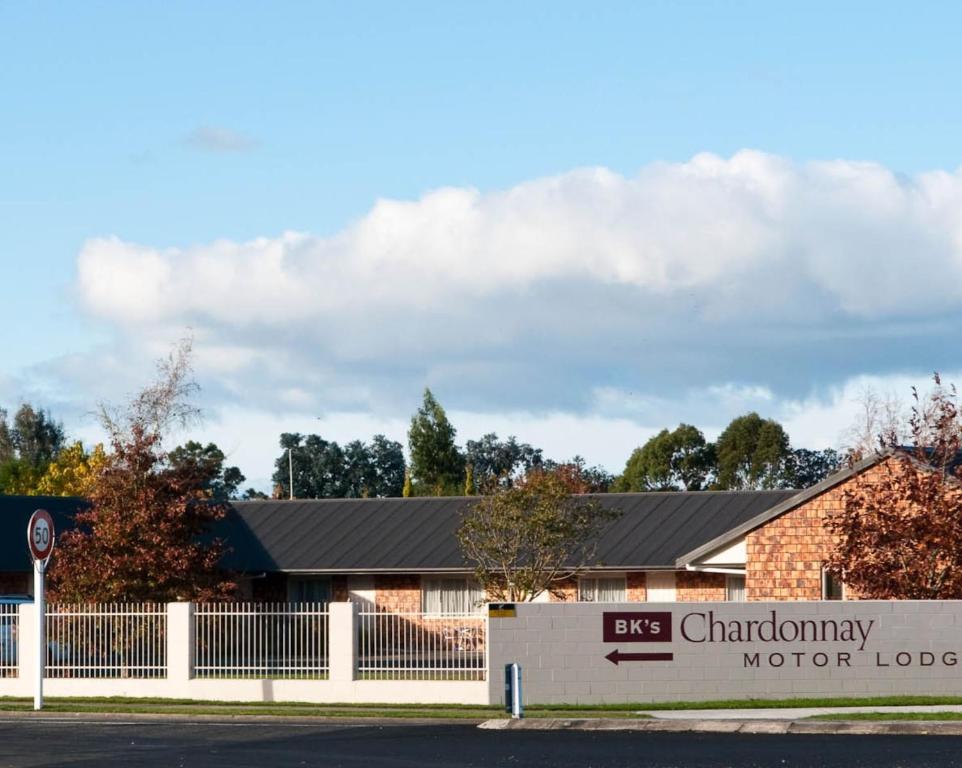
{"x":512,"y":691}
{"x":517,"y":708}
{"x":39,"y":611}
{"x":290,"y":467}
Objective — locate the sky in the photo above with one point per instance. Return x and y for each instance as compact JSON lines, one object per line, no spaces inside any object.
{"x":577,"y":223}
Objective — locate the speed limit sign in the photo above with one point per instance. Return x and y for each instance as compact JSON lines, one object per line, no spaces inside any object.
{"x":40,"y":535}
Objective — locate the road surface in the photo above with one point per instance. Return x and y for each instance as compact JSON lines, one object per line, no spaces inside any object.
{"x":27,"y":743}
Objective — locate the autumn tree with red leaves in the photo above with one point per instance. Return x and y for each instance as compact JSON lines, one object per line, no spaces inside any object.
{"x":899,"y":536}
{"x":144,"y":536}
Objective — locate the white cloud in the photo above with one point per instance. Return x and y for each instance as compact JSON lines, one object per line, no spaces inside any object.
{"x":582,"y":311}
{"x":712,"y":228}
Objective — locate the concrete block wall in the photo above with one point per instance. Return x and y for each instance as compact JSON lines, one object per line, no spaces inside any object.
{"x":910,"y":648}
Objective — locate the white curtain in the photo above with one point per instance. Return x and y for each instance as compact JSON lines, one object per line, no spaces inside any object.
{"x":736,"y":588}
{"x":598,"y":589}
{"x":451,"y":596}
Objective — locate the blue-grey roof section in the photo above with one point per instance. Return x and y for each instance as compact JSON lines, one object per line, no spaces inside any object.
{"x":418,"y":534}
{"x":15,"y":513}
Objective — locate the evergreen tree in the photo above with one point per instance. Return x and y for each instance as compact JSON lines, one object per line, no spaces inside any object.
{"x":497,"y":462}
{"x":222,"y":483}
{"x":753,"y":453}
{"x":437,"y":467}
{"x":669,"y":461}
{"x":27,"y":448}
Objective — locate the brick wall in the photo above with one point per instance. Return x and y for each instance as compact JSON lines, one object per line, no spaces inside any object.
{"x":637,"y":586}
{"x":565,"y":592}
{"x":399,"y":593}
{"x":691,"y":587}
{"x":785,"y":556}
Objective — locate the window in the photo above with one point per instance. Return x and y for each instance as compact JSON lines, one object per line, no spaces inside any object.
{"x":735,"y":589}
{"x":602,"y":589}
{"x":451,"y":595}
{"x":309,"y":589}
{"x":832,"y":587}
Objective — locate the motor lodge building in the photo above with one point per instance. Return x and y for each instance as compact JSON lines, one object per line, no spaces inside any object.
{"x":402,"y":554}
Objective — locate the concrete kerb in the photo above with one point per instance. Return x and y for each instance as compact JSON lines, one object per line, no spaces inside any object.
{"x":823,"y":727}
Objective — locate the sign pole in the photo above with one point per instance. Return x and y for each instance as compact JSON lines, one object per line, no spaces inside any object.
{"x":39,"y":611}
{"x":40,"y":540}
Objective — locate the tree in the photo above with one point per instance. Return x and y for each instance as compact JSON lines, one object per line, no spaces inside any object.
{"x":752,"y":453}
{"x":222,"y":482}
{"x":669,"y":461}
{"x":881,"y":421}
{"x":324,"y":470}
{"x":387,"y":459}
{"x":496,"y":462}
{"x":577,"y":475}
{"x":27,"y":447}
{"x":145,"y":535}
{"x":529,"y":538}
{"x":73,"y":473}
{"x":804,"y":467}
{"x":318,"y":467}
{"x":899,"y":534}
{"x":437,"y":466}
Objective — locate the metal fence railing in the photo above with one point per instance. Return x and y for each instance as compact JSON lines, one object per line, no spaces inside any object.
{"x":106,"y":640}
{"x":419,"y":646}
{"x":261,"y":640}
{"x":9,"y":640}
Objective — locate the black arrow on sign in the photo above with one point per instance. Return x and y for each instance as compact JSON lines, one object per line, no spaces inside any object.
{"x":617,"y":656}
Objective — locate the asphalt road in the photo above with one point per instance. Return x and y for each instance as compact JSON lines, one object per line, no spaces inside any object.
{"x":265,"y":745}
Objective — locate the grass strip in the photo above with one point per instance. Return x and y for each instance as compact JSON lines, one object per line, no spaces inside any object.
{"x":226,"y":709}
{"x":872,"y":701}
{"x":121,"y":705}
{"x":890,"y":716}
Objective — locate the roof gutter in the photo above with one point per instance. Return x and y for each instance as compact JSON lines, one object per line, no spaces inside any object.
{"x":715,"y":569}
{"x":414,"y":569}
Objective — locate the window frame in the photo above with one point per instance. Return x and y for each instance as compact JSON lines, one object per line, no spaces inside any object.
{"x":828,"y":580}
{"x":728,"y":587}
{"x":596,"y":577}
{"x":294,"y":580}
{"x":471,"y":587}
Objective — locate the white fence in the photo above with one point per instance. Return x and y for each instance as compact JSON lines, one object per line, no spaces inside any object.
{"x":106,"y":641}
{"x":261,"y":640}
{"x":247,"y":652}
{"x":9,"y":632}
{"x":419,"y":646}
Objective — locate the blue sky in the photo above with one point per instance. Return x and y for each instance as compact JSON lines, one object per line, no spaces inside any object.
{"x":183,"y":125}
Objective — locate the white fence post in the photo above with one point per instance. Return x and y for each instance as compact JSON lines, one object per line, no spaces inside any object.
{"x":27,"y":649}
{"x":342,"y":649}
{"x":180,"y":641}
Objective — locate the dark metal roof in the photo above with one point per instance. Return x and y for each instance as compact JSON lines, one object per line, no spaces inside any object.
{"x":15,"y":513}
{"x":795,"y":499}
{"x":418,"y":534}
